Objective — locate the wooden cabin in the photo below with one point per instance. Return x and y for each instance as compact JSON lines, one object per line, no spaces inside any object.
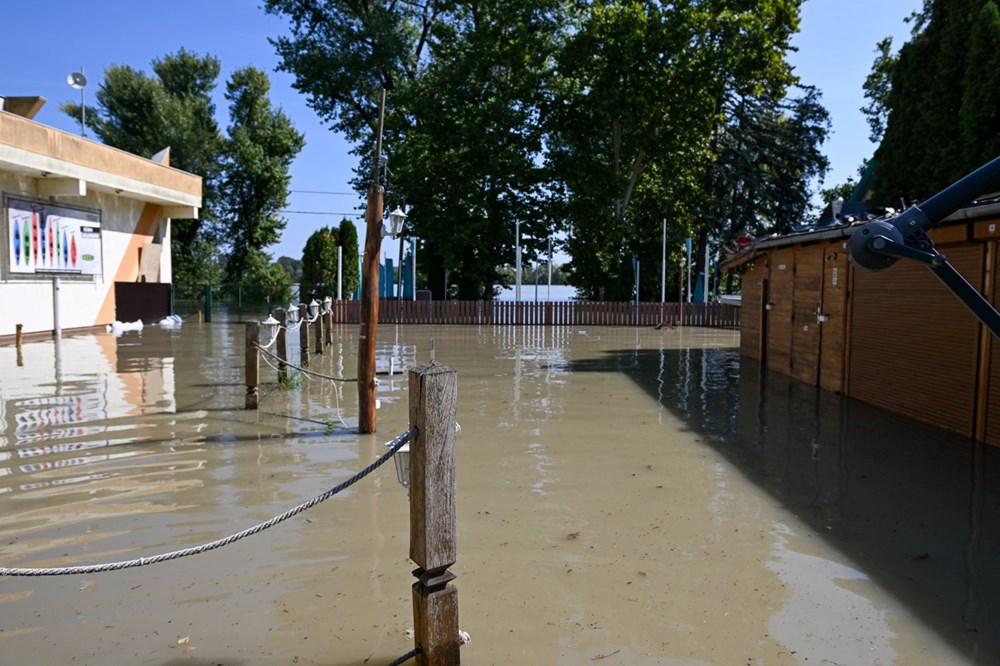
{"x":895,"y":338}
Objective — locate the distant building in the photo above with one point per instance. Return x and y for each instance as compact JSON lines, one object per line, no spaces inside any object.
{"x":86,"y":227}
{"x":896,"y":338}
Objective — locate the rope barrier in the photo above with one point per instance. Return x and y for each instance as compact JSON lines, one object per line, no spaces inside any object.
{"x":303,"y":370}
{"x":405,"y":658}
{"x":394,"y":445}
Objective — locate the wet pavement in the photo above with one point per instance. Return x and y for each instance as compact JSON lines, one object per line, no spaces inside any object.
{"x":625,"y":497}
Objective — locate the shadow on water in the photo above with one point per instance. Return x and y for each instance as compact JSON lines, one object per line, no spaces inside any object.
{"x":909,"y":504}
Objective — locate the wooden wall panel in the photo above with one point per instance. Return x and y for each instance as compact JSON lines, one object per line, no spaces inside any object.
{"x":834,"y":308}
{"x":914,"y":345}
{"x":752,"y":308}
{"x":992,"y":397}
{"x":806,"y":298}
{"x":779,"y":316}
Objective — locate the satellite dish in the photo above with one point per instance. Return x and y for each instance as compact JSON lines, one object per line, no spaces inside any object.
{"x":77,"y":80}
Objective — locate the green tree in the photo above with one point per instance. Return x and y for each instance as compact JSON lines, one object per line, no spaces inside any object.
{"x":877,"y":85}
{"x":462,"y":130}
{"x":144,"y":114}
{"x":942,"y":120}
{"x":347,"y":239}
{"x":293,"y":267}
{"x":319,"y":265}
{"x":262,"y":144}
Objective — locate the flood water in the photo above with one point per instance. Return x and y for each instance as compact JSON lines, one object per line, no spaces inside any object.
{"x":625,"y":497}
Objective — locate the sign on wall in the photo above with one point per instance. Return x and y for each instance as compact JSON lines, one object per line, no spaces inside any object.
{"x":48,"y":238}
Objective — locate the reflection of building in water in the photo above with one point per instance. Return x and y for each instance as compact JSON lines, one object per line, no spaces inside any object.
{"x":906,"y":502}
{"x":81,"y":394}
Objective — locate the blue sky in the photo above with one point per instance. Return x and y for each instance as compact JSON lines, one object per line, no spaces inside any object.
{"x":48,"y":39}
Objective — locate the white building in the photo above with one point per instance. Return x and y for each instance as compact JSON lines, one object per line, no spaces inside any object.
{"x":79,"y":218}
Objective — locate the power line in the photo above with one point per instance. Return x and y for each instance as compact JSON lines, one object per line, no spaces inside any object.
{"x":343,"y":194}
{"x":320,"y":212}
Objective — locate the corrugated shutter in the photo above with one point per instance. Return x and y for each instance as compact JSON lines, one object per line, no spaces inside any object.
{"x":914,"y":345}
{"x":992,"y":402}
{"x":834,"y":308}
{"x":751,"y":307}
{"x":806,"y":299}
{"x":779,"y":316}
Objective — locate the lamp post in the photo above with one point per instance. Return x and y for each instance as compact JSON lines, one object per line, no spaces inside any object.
{"x":375,"y":231}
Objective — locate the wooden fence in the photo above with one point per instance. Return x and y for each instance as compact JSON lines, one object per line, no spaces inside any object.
{"x":526,"y":313}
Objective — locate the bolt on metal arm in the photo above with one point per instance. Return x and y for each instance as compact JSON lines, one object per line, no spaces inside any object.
{"x":879,"y":244}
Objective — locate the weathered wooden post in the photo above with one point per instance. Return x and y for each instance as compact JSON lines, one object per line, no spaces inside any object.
{"x":433,"y":531}
{"x":20,"y":341}
{"x":252,"y":365}
{"x":304,"y":335}
{"x":319,"y":333}
{"x":329,"y":326}
{"x":281,"y":345}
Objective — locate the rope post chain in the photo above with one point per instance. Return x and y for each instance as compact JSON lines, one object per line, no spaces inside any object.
{"x":433,"y":402}
{"x":252,"y":365}
{"x":281,"y":344}
{"x":304,"y":335}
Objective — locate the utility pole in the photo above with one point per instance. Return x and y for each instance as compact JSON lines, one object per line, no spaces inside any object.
{"x":369,"y":290}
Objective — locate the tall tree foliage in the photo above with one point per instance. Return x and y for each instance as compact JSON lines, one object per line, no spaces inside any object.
{"x":347,"y":238}
{"x":462,"y":131}
{"x":598,"y":118}
{"x":319,"y":264}
{"x":244,"y":175}
{"x":144,"y":114}
{"x":262,"y":144}
{"x":678,"y":112}
{"x":942,"y":104}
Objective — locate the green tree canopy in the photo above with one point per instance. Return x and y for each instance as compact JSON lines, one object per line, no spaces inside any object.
{"x":943,"y":102}
{"x":319,"y":265}
{"x":262,"y":144}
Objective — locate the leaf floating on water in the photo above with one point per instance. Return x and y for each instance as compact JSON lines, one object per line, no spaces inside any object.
{"x":190,"y":649}
{"x":184,"y":641}
{"x":572,"y":536}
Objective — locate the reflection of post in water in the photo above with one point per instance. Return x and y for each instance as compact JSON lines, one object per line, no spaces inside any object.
{"x":971,"y":550}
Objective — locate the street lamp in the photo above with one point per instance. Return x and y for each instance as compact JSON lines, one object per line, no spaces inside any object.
{"x":327,"y":305}
{"x":402,"y":460}
{"x":313,"y":310}
{"x":396,"y":220}
{"x":292,"y":314}
{"x":270,"y":327}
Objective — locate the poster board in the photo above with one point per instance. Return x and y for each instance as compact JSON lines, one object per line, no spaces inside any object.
{"x":42,"y":238}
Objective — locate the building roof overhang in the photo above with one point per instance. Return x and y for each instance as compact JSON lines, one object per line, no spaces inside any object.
{"x":67,"y":165}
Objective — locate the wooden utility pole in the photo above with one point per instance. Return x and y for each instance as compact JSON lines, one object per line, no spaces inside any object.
{"x":252,"y":365}
{"x":433,"y":532}
{"x":369,"y":290}
{"x":281,"y":345}
{"x":329,"y":326}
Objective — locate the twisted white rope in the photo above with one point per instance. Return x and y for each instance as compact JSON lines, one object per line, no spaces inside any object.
{"x":394,"y":445}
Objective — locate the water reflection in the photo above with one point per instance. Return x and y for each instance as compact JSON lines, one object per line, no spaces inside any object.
{"x":905,"y":502}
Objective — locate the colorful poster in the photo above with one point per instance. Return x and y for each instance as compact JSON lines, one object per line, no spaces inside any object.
{"x":48,"y":238}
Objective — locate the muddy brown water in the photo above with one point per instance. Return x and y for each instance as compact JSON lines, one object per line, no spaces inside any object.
{"x":625,"y":497}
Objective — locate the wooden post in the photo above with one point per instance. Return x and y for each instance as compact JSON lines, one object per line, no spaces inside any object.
{"x":369,"y":290}
{"x":304,"y":335}
{"x":281,"y":345}
{"x":433,"y":544}
{"x":329,"y":326}
{"x":20,"y":341}
{"x":252,"y":365}
{"x":319,"y":333}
